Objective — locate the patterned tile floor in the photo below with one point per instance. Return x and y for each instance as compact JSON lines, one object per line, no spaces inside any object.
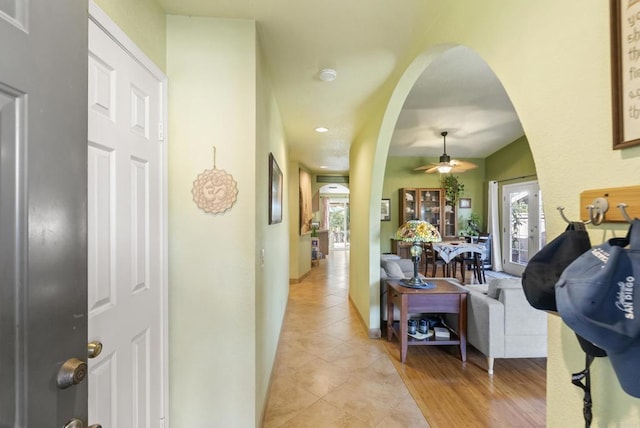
{"x":328,"y":373}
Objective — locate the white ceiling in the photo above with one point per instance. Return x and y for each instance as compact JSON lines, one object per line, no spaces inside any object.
{"x":366,"y":42}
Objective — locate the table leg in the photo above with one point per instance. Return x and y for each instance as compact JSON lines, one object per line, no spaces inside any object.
{"x":462,"y":327}
{"x":404,"y":329}
{"x":389,"y":314}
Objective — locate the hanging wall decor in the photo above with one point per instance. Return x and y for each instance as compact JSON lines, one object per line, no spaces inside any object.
{"x":215,"y":190}
{"x":625,"y":41}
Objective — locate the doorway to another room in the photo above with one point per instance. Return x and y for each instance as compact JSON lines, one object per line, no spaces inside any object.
{"x":523,"y":230}
{"x":334,"y":216}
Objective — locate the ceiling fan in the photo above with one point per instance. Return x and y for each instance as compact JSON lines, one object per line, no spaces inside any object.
{"x":446,"y":164}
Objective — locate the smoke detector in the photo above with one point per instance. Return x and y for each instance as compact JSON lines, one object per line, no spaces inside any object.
{"x":328,"y":75}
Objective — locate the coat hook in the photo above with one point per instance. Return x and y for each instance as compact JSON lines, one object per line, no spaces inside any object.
{"x":623,"y":209}
{"x":564,"y":217}
{"x":600,"y":206}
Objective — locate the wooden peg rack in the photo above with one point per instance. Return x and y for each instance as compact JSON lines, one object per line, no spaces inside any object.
{"x":614,"y":196}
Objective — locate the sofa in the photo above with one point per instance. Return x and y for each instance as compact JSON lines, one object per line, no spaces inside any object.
{"x":392,"y":267}
{"x":500,"y":321}
{"x":502,"y":324}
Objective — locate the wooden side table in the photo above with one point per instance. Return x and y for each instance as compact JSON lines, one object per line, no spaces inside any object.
{"x":446,"y":297}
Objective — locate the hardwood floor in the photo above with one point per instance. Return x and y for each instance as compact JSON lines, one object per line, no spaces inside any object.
{"x":451,"y":393}
{"x":328,"y":373}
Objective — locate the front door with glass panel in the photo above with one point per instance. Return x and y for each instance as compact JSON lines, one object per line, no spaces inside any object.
{"x":523,"y":230}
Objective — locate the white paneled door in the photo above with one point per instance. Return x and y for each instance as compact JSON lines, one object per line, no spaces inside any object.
{"x":126,"y":237}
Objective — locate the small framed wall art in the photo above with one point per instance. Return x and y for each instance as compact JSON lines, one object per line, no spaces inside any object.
{"x":275,"y":191}
{"x":385,"y":210}
{"x":465,"y":202}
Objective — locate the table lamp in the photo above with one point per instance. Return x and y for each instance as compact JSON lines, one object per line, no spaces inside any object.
{"x":417,"y":232}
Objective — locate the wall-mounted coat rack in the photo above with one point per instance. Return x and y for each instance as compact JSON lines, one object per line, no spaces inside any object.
{"x":610,"y":204}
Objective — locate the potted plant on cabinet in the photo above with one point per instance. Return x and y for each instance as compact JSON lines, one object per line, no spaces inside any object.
{"x":453,"y":188}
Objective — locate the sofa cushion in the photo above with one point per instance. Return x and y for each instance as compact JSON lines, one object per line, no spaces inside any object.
{"x":493,"y":289}
{"x":392,"y":269}
{"x":478,"y":288}
{"x":384,"y":257}
{"x":495,"y":285}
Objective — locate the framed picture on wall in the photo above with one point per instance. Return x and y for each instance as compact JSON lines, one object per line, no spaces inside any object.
{"x":465,"y":202}
{"x":275,"y":191}
{"x":385,"y":210}
{"x":625,"y":73}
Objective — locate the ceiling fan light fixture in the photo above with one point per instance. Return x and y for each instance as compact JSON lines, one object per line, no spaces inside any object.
{"x":446,"y":164}
{"x":444,"y":169}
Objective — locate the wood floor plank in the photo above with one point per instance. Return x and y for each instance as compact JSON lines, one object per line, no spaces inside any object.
{"x":451,"y":393}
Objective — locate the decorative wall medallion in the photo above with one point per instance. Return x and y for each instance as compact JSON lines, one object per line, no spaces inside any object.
{"x":215,"y":190}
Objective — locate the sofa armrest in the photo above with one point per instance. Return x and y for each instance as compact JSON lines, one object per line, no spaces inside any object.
{"x":485,"y":324}
{"x":521,"y":319}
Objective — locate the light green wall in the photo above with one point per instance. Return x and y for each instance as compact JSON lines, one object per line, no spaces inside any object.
{"x":399,"y":172}
{"x":144,"y":21}
{"x":226,"y":307}
{"x":513,"y":164}
{"x":512,"y":161}
{"x":553,"y":60}
{"x":272,"y":279}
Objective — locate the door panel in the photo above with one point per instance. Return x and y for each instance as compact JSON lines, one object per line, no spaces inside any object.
{"x":12,"y":243}
{"x":43,"y":132}
{"x":125,"y":159}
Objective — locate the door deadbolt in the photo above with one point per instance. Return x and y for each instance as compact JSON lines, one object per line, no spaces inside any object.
{"x":72,"y":372}
{"x":94,"y":349}
{"x":77,"y":423}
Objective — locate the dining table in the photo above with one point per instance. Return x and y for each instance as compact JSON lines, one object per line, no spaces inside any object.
{"x":449,"y":250}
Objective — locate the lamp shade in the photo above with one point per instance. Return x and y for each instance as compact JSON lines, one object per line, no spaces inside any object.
{"x":418,"y":231}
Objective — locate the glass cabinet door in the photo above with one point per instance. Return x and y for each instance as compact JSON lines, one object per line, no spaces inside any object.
{"x":409,"y":205}
{"x":450,"y":220}
{"x":430,"y":206}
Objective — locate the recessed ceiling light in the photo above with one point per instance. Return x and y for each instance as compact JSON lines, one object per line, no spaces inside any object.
{"x":323,"y":167}
{"x":321,"y":129}
{"x":328,"y":75}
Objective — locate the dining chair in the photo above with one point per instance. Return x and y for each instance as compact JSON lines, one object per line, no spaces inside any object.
{"x":431,"y":258}
{"x":473,"y":262}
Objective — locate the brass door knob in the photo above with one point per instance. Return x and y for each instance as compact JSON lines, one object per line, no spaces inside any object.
{"x":77,"y":423}
{"x":74,"y":423}
{"x":94,"y":349}
{"x":72,"y":372}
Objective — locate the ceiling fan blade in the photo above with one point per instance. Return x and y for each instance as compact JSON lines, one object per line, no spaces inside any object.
{"x":462,"y":165}
{"x":432,"y":169}
{"x":423,"y":167}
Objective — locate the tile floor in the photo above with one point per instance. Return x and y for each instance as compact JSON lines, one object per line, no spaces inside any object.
{"x":328,"y":373}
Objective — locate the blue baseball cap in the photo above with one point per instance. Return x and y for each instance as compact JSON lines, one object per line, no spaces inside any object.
{"x":596,"y":297}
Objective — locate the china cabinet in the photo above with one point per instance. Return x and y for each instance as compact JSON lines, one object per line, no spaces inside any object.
{"x":430,"y":205}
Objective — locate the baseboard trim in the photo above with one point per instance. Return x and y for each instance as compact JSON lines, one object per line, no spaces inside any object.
{"x":298,"y":280}
{"x":373,"y":333}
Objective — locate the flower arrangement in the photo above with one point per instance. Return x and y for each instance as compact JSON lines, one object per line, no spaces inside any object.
{"x":418,"y":231}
